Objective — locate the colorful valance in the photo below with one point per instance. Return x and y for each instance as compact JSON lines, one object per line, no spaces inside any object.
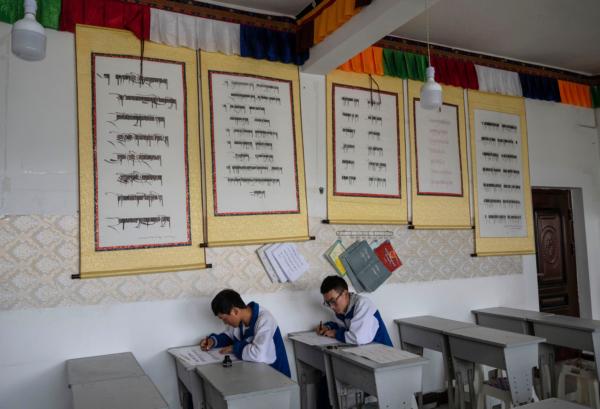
{"x":537,"y":87}
{"x":48,"y":12}
{"x":575,"y":94}
{"x":498,"y":81}
{"x":106,"y":13}
{"x":370,"y":61}
{"x":272,"y":45}
{"x":404,"y":65}
{"x":455,"y":72}
{"x":181,"y":30}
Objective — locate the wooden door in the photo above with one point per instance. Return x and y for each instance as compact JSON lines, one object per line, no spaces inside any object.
{"x":555,"y":249}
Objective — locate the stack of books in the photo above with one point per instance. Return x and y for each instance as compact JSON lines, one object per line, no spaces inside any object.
{"x":366,"y":268}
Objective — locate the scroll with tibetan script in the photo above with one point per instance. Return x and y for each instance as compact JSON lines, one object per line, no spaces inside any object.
{"x":366,"y":182}
{"x":502,"y":191}
{"x":253,"y":151}
{"x":440,"y":193}
{"x":139,"y":164}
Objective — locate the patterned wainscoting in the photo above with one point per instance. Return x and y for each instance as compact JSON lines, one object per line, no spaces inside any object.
{"x":38,"y":254}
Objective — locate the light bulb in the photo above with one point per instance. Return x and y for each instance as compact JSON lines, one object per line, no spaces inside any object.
{"x":431,"y":91}
{"x":28,"y":36}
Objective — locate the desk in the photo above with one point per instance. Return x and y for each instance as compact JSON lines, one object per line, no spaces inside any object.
{"x":311,"y":361}
{"x":394,"y":383}
{"x":571,"y":332}
{"x":189,"y":385}
{"x":560,"y":330}
{"x":553,"y":404}
{"x":103,"y":367}
{"x":508,"y":319}
{"x":431,"y":332}
{"x":516,"y":353}
{"x":247,"y":385}
{"x":114,"y":381}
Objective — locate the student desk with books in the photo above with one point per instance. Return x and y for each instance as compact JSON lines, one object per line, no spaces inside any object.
{"x":113,"y":381}
{"x":247,"y":385}
{"x":311,"y":362}
{"x":515,"y":353}
{"x":393,"y":382}
{"x":430,"y":332}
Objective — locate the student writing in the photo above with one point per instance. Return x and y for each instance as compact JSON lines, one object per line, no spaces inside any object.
{"x":357,"y":319}
{"x":252,"y":333}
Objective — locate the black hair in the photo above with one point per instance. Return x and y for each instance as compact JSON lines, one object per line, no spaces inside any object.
{"x":225,"y":301}
{"x":333,"y":283}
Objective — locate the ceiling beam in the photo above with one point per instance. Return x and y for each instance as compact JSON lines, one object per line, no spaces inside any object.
{"x":366,"y":28}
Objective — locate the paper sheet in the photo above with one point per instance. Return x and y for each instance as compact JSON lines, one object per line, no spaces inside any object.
{"x":311,"y":338}
{"x":382,"y":354}
{"x":289,"y":260}
{"x":194,"y":356}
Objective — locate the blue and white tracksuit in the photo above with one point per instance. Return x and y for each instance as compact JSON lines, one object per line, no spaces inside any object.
{"x":361,"y":324}
{"x":261,"y":341}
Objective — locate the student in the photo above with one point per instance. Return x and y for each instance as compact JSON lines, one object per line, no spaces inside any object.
{"x":253,"y":334}
{"x":359,"y":321}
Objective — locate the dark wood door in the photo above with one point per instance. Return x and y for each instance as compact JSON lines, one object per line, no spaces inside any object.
{"x":555,"y":249}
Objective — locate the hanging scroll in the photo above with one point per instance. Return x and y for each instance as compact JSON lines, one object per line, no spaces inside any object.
{"x":140,"y":202}
{"x":440,"y":193}
{"x":366,"y":179}
{"x":254,"y":156}
{"x":502,"y":191}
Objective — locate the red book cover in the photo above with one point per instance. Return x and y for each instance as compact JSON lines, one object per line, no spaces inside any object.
{"x":386,"y":253}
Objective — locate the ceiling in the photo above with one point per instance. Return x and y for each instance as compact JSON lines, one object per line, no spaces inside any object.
{"x":558,"y":33}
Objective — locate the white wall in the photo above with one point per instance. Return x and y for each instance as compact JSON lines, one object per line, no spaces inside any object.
{"x":563,"y":152}
{"x":34,"y":344}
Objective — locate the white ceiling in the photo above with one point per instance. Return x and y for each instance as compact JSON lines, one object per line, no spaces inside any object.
{"x":557,"y":33}
{"x":280,"y":7}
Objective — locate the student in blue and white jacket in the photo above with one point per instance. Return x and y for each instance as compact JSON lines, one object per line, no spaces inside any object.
{"x":358,"y":320}
{"x":252,"y":335}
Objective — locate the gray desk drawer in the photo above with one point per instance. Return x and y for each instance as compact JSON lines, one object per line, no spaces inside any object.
{"x":562,"y":336}
{"x":504,"y":323}
{"x":354,"y":375}
{"x":310,"y":355}
{"x":422,"y":338}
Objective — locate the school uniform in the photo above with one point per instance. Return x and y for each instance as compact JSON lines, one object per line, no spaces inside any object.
{"x":261,"y":341}
{"x":361,"y":324}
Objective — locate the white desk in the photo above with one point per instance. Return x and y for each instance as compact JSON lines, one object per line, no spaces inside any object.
{"x":311,"y":362}
{"x":247,"y":385}
{"x":114,"y":381}
{"x":515,"y":353}
{"x":431,"y":332}
{"x":394,"y":384}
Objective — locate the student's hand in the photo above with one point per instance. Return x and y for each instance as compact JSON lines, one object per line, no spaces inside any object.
{"x":207,"y":343}
{"x":329,"y":333}
{"x":226,"y":350}
{"x":321,"y":329}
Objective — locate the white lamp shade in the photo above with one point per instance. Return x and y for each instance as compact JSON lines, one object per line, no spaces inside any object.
{"x":431,"y":91}
{"x":28,"y":39}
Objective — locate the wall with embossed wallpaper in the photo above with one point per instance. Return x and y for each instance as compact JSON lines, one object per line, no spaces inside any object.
{"x":47,"y":318}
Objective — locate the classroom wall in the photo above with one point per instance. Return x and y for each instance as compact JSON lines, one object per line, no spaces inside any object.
{"x":47,"y":318}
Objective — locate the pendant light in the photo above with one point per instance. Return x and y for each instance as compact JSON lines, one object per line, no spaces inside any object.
{"x":431,"y":91}
{"x":28,"y":36}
